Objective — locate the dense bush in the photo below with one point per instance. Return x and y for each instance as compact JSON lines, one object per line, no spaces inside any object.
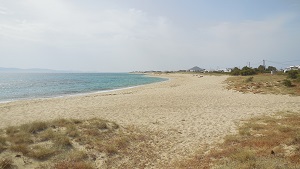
{"x":271,"y":68}
{"x":287,"y":83}
{"x":293,"y":74}
{"x":260,"y":69}
{"x":235,"y":71}
{"x":247,"y":71}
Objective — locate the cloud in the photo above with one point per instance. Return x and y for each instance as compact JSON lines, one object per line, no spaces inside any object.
{"x":3,"y":11}
{"x":53,"y":30}
{"x":249,"y":40}
{"x":66,"y":35}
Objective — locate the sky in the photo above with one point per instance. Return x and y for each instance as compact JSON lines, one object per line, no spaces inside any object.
{"x":139,"y":35}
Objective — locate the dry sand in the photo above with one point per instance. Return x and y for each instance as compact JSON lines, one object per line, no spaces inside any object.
{"x":190,"y":111}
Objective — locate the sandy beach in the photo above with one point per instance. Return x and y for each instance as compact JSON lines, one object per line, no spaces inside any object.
{"x":189,"y":110}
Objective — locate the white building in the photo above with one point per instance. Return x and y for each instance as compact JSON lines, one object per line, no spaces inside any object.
{"x":292,"y":68}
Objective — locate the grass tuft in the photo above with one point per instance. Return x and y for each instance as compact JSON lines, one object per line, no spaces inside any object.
{"x":46,"y":135}
{"x":11,"y":130}
{"x":100,"y":125}
{"x":20,"y":148}
{"x":41,"y":153}
{"x":3,"y":144}
{"x":243,"y":156}
{"x":3,"y":141}
{"x":34,"y":127}
{"x":249,"y":79}
{"x":71,"y":130}
{"x":77,"y":156}
{"x":73,"y":165}
{"x":6,"y":163}
{"x":62,"y":142}
{"x":61,"y":122}
{"x":21,"y":138}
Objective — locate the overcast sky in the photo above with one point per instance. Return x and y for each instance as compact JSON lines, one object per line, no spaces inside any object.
{"x":128,"y":35}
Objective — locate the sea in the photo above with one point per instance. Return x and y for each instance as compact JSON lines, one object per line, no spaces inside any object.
{"x":20,"y":86}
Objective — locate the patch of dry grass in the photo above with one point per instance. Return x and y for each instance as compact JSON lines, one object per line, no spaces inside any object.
{"x":263,"y":83}
{"x":41,"y":153}
{"x":264,"y":142}
{"x":11,"y":130}
{"x":73,"y":165}
{"x":77,"y":156}
{"x":72,"y":143}
{"x":20,"y":138}
{"x":6,"y":163}
{"x":3,"y":144}
{"x":22,"y":148}
{"x":46,"y":135}
{"x":34,"y":127}
{"x":61,"y":141}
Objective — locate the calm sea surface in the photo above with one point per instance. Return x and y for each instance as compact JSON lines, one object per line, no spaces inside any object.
{"x":16,"y":86}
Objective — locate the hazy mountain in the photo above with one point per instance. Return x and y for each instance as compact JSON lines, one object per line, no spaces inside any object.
{"x":196,"y":69}
{"x":35,"y":70}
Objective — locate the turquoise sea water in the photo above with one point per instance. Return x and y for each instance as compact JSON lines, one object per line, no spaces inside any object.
{"x":16,"y":86}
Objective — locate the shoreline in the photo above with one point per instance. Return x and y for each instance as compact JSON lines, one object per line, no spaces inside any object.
{"x":84,"y":93}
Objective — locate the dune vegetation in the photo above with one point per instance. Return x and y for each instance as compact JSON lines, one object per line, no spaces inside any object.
{"x":265,"y":84}
{"x":264,"y":142}
{"x":77,"y":144}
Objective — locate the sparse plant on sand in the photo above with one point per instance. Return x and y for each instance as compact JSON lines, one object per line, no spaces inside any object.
{"x":265,"y":84}
{"x":73,"y":165}
{"x":6,"y":163}
{"x":70,"y":143}
{"x":41,"y":153}
{"x":62,"y":141}
{"x":34,"y":127}
{"x":46,"y":135}
{"x":261,"y":143}
{"x":249,"y":79}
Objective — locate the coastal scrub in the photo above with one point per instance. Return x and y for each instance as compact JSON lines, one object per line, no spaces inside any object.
{"x":262,"y":142}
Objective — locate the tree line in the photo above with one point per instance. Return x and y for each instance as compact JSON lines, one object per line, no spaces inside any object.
{"x":245,"y":71}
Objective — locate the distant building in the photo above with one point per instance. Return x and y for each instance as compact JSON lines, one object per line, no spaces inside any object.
{"x":227,"y":70}
{"x":292,"y":68}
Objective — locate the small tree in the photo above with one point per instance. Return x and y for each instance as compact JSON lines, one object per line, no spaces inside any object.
{"x":235,"y":71}
{"x":271,"y":68}
{"x":261,"y":69}
{"x":247,"y":71}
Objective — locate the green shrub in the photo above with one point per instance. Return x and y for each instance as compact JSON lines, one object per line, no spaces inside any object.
{"x":298,"y":79}
{"x":287,"y":83}
{"x":247,"y":71}
{"x":235,"y":71}
{"x":293,"y":74}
